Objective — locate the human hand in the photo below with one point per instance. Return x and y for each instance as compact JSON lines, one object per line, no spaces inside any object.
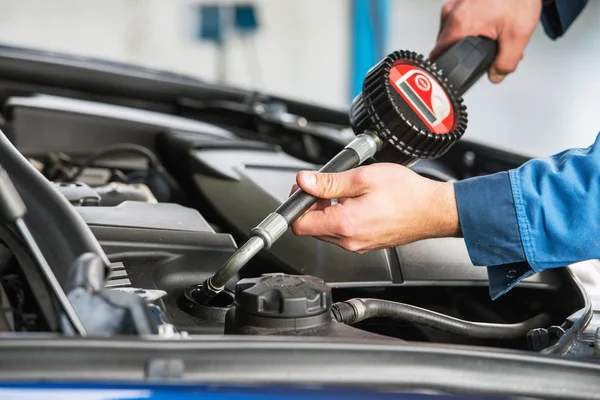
{"x":511,"y":22}
{"x":379,"y":206}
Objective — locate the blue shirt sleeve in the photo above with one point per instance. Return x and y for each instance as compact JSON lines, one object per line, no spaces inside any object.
{"x":558,"y":15}
{"x":544,"y":214}
{"x":520,"y":222}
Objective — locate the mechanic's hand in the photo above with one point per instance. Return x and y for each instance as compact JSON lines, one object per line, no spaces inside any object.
{"x":380,"y":205}
{"x":511,"y":22}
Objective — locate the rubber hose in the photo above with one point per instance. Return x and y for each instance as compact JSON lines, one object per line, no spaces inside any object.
{"x":116,"y":149}
{"x":357,"y":310}
{"x":300,"y":201}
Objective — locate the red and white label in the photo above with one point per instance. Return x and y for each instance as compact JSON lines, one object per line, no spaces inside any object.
{"x":425,"y":96}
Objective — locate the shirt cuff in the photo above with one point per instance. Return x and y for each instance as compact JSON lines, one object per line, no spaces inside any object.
{"x":490,"y":228}
{"x":488,"y":220}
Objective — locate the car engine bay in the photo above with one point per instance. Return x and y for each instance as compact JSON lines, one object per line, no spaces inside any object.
{"x":169,"y":195}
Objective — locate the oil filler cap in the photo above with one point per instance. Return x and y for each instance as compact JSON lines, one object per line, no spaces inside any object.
{"x":283,"y":296}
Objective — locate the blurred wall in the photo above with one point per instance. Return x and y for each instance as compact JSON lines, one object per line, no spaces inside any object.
{"x":303,"y":50}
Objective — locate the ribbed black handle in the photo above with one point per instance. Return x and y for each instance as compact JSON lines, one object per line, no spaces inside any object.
{"x":466,"y":61}
{"x":300,"y":201}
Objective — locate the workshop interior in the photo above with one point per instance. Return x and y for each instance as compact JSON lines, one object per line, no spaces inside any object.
{"x":148,"y":150}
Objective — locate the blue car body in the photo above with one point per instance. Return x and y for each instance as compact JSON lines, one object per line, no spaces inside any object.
{"x":85,"y":391}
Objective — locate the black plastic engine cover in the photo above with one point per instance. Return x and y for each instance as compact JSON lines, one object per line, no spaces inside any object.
{"x":160,"y":246}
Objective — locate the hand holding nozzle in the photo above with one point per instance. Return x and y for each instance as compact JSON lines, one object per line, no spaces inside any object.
{"x":276,"y":224}
{"x":407,"y":103}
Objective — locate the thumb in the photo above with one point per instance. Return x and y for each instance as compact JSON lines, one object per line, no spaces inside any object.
{"x":333,"y":185}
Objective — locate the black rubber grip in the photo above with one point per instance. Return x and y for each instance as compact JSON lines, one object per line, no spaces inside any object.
{"x":11,"y":204}
{"x":300,"y":201}
{"x":465,"y":62}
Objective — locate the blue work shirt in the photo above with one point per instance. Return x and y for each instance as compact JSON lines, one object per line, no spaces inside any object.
{"x":544,"y":214}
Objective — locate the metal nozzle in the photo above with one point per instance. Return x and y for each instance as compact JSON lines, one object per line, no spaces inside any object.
{"x":206,"y":293}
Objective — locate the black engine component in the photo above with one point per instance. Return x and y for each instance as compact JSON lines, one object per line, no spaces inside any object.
{"x":116,"y":193}
{"x":102,"y":311}
{"x":161,"y":246}
{"x":78,"y":193}
{"x":278,"y":303}
{"x":113,"y":194}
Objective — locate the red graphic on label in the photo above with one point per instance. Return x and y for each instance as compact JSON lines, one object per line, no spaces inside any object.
{"x":425,"y":96}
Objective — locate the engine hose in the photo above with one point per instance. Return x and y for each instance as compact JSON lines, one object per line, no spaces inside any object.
{"x":153,"y":162}
{"x":356,"y":310}
{"x":154,"y":165}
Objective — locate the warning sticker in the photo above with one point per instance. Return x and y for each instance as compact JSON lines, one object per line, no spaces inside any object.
{"x":425,"y":96}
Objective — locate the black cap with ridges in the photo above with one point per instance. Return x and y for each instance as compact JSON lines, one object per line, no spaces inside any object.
{"x":283,"y":296}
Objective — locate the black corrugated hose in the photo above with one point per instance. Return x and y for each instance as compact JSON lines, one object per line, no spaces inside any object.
{"x":356,"y":310}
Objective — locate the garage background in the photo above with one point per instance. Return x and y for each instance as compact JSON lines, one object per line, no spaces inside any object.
{"x":316,"y":51}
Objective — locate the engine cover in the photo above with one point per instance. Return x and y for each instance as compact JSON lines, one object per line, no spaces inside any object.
{"x":160,"y":246}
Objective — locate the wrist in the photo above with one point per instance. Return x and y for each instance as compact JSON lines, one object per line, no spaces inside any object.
{"x":446,"y":222}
